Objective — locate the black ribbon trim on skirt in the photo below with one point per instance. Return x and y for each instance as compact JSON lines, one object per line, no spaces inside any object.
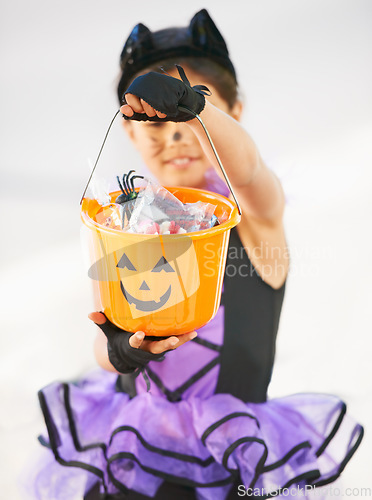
{"x":44,"y":442}
{"x":261,"y":469}
{"x":121,"y":487}
{"x":333,"y":431}
{"x":214,"y":426}
{"x":55,"y":443}
{"x":174,"y":396}
{"x":287,"y":456}
{"x":169,"y":477}
{"x":358,"y":429}
{"x":160,"y":451}
{"x":72,"y":426}
{"x":310,"y":476}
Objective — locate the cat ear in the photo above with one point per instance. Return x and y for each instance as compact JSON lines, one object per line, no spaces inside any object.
{"x":140,"y":36}
{"x":205,"y":33}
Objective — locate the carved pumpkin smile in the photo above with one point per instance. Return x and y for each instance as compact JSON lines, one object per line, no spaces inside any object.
{"x":146,"y":305}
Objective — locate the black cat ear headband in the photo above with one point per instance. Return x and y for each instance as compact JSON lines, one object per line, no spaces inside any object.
{"x":200,"y":39}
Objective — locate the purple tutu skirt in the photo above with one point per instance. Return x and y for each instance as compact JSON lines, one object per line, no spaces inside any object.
{"x":96,"y":434}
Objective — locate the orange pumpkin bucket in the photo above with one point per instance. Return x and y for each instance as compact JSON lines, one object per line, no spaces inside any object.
{"x":160,"y":284}
{"x":166,"y":284}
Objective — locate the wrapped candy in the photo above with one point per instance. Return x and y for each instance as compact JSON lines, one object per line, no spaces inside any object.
{"x":157,"y":211}
{"x":109,"y":216}
{"x":154,"y":210}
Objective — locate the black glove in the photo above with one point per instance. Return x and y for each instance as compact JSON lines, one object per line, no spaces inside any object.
{"x":165,"y":93}
{"x":123,"y":357}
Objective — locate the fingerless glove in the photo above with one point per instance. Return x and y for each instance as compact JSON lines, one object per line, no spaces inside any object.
{"x":123,"y":357}
{"x":165,"y":94}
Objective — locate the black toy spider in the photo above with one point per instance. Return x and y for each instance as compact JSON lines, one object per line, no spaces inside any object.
{"x":127,"y":199}
{"x":129,"y":192}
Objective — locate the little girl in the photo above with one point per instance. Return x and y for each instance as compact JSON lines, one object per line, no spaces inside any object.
{"x":206,"y":429}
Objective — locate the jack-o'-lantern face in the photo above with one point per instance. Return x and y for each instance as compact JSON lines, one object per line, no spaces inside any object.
{"x":150,"y":274}
{"x":156,"y":275}
{"x":146,"y":305}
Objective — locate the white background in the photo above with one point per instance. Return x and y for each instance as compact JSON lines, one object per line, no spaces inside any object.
{"x":305,"y":72}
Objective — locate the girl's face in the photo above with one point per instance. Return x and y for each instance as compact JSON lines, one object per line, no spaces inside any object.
{"x":171,"y":150}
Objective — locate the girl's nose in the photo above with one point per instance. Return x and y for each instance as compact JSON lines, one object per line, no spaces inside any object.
{"x":179,"y":134}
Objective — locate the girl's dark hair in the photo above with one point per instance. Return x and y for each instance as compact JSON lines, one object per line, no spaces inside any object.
{"x":200,"y":47}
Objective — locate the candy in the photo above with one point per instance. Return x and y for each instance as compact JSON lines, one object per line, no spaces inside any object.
{"x":109,"y":216}
{"x":155,"y":211}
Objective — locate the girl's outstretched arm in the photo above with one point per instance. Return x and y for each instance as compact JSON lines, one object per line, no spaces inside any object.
{"x":258,"y":189}
{"x":260,"y":193}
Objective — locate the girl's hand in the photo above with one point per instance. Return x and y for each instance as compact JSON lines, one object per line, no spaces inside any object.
{"x":137,"y":105}
{"x":159,"y":97}
{"x":138,"y":339}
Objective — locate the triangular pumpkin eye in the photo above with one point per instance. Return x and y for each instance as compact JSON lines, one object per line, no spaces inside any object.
{"x":163,"y":265}
{"x":124,"y":262}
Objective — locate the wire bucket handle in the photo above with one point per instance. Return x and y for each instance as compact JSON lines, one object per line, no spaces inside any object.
{"x":182,"y":108}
